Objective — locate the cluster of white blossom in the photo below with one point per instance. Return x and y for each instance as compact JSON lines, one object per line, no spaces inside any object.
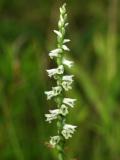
{"x":64,"y":82}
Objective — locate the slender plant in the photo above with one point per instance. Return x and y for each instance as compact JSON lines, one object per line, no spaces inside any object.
{"x":63,"y":84}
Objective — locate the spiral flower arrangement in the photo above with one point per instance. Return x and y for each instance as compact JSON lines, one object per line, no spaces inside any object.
{"x":63,"y":84}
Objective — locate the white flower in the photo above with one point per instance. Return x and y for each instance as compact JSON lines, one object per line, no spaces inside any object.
{"x":54,"y":140}
{"x":70,"y":102}
{"x":53,"y":115}
{"x":64,"y":110}
{"x":59,"y":34}
{"x":55,"y":52}
{"x":68,"y":63}
{"x":67,"y":81}
{"x":68,"y":130}
{"x":55,"y":111}
{"x":68,"y":78}
{"x":52,"y":72}
{"x":65,"y":48}
{"x":56,"y":90}
{"x":49,"y":94}
{"x":59,"y":70}
{"x":66,"y":85}
{"x":66,"y":40}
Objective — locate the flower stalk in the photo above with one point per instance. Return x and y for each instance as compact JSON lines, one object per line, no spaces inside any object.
{"x":64,"y":83}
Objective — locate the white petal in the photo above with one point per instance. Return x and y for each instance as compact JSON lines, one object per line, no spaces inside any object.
{"x":54,"y":140}
{"x":49,"y":94}
{"x":66,"y":40}
{"x":70,"y":102}
{"x":66,"y":24}
{"x":55,"y":111}
{"x":51,"y":54}
{"x":61,"y":19}
{"x":69,"y":126}
{"x":64,"y":110}
{"x":66,"y":85}
{"x":55,"y":53}
{"x":68,"y":130}
{"x":58,"y":33}
{"x":65,"y":48}
{"x":66,"y":134}
{"x":53,"y":115}
{"x":60,"y":9}
{"x":57,"y":90}
{"x":50,"y":117}
{"x":68,"y":78}
{"x":52,"y":72}
{"x":60,"y":69}
{"x":68,"y":63}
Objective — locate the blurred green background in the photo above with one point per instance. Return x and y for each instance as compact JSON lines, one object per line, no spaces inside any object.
{"x":26,"y":37}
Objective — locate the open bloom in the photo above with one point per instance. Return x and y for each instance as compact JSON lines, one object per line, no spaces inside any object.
{"x":49,"y":94}
{"x":67,"y":82}
{"x":68,"y":78}
{"x":69,"y":101}
{"x":55,"y":53}
{"x":53,"y":115}
{"x":68,"y":130}
{"x":54,"y":140}
{"x":53,"y":72}
{"x":63,"y":110}
{"x":68,"y":63}
{"x":55,"y":91}
{"x":60,"y":69}
{"x":66,"y":85}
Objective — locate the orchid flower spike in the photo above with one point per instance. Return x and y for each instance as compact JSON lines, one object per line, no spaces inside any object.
{"x":63,"y":84}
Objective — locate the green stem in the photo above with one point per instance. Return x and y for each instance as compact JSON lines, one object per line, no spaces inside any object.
{"x":61,"y":120}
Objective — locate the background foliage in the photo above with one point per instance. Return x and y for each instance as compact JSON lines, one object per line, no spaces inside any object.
{"x":25,"y":38}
